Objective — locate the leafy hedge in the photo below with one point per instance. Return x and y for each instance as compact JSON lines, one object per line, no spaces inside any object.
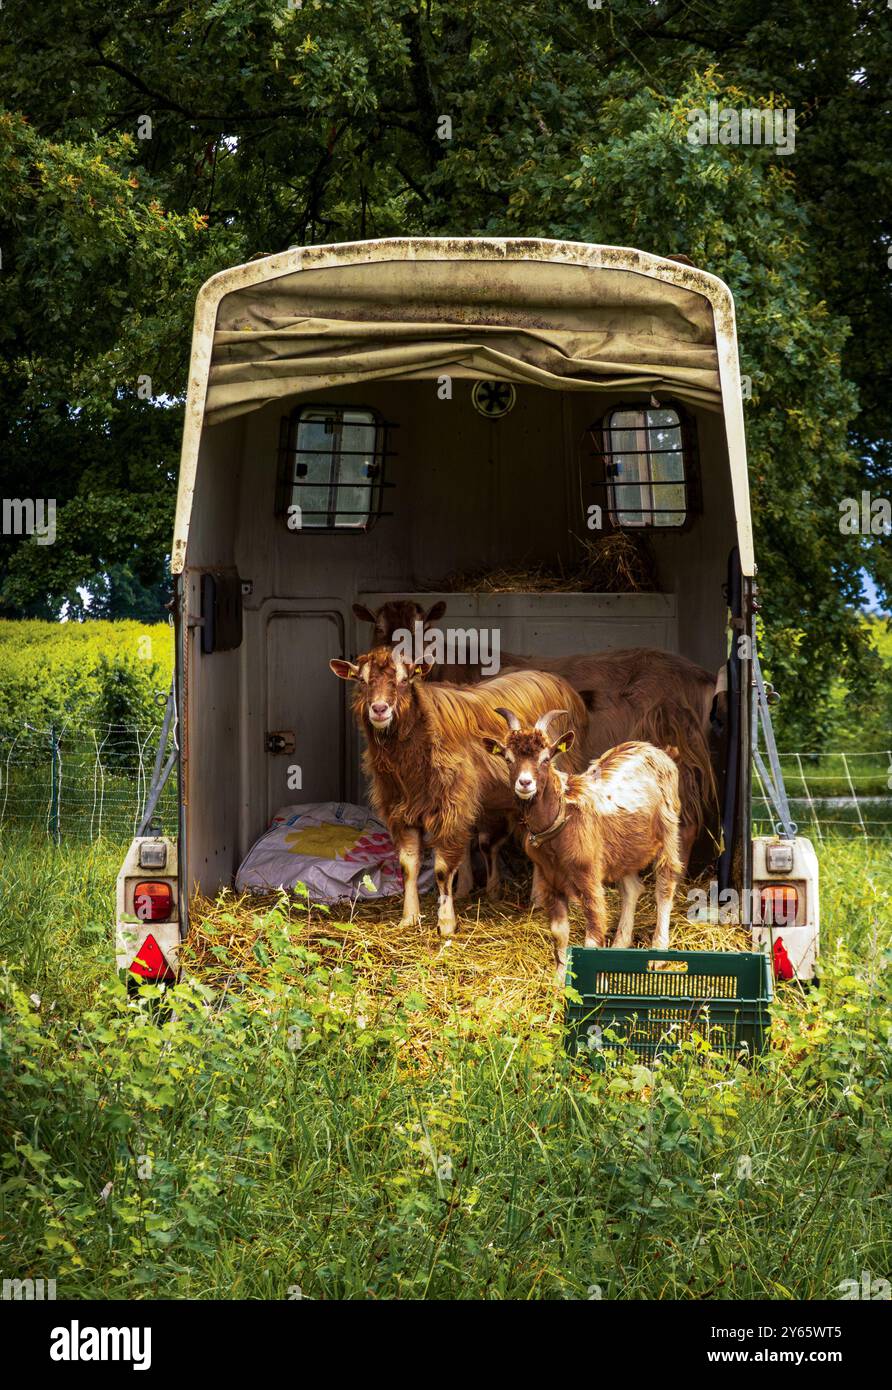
{"x":83,"y":673}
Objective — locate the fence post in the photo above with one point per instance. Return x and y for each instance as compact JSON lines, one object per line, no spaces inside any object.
{"x":845,"y":763}
{"x":762,"y":794}
{"x":808,"y":797}
{"x":55,"y":780}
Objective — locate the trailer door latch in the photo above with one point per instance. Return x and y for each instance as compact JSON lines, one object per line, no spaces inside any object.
{"x":281,"y":741}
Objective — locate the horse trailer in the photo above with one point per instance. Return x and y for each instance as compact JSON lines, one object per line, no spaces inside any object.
{"x":372,"y":421}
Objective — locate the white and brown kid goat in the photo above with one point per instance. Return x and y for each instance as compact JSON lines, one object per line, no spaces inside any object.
{"x":604,"y":824}
{"x":431,"y":779}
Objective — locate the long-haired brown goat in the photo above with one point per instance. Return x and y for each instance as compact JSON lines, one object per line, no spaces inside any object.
{"x":638,"y":693}
{"x":430,"y":775}
{"x":606,"y":823}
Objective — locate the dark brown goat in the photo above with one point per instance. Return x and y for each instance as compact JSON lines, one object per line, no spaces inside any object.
{"x":429,"y":773}
{"x":606,"y":823}
{"x":395,"y":615}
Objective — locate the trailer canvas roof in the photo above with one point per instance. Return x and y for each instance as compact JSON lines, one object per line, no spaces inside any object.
{"x":559,"y":315}
{"x":560,"y":326}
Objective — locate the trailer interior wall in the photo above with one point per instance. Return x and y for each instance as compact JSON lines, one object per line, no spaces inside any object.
{"x":469,"y":494}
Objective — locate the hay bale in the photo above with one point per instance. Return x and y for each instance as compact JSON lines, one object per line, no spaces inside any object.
{"x":615,"y":563}
{"x":507,"y":579}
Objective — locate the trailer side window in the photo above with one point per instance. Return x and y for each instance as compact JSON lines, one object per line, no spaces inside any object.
{"x":331,"y":468}
{"x":646,"y":465}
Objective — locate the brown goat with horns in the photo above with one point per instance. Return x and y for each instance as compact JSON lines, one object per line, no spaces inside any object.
{"x":639,"y":693}
{"x":606,"y":823}
{"x":430,"y":776}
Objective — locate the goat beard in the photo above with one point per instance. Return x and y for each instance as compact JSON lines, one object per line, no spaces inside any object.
{"x":397,"y":727}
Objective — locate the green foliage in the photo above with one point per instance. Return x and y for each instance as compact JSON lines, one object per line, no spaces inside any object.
{"x":739,"y":214}
{"x":858,"y":717}
{"x":283,"y":1142}
{"x":83,"y":673}
{"x":852,"y":712}
{"x":92,"y":263}
{"x":127,"y":696}
{"x":274,"y":124}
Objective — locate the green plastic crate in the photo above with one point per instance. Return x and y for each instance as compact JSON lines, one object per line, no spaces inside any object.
{"x":652,"y":1007}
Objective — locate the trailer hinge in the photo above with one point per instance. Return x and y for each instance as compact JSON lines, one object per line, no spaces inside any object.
{"x":280,"y":741}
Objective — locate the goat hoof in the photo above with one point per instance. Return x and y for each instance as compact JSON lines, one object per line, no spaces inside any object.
{"x":411,"y":921}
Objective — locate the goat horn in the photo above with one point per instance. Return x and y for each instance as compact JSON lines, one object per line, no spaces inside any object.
{"x":543,"y":723}
{"x":510,"y":719}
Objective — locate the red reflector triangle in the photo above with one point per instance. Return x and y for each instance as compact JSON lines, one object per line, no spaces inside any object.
{"x":783,"y":966}
{"x":151,"y":963}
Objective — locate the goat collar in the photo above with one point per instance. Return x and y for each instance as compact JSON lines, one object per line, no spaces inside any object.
{"x":538,"y":837}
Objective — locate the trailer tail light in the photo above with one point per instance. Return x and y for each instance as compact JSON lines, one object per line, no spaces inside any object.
{"x":153,"y":902}
{"x":153,"y":855}
{"x":150,"y":963}
{"x":780,"y":904}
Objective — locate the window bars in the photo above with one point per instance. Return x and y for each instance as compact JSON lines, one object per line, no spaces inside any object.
{"x":331,"y":467}
{"x":648,"y":455}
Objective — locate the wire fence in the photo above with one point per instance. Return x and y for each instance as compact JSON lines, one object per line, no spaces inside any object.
{"x":81,"y":782}
{"x":85,"y":782}
{"x":846,"y":793}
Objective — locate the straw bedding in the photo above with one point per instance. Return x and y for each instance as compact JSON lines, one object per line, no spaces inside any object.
{"x":498,"y":969}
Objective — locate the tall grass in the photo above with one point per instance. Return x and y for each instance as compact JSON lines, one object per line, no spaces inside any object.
{"x":273,"y":1144}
